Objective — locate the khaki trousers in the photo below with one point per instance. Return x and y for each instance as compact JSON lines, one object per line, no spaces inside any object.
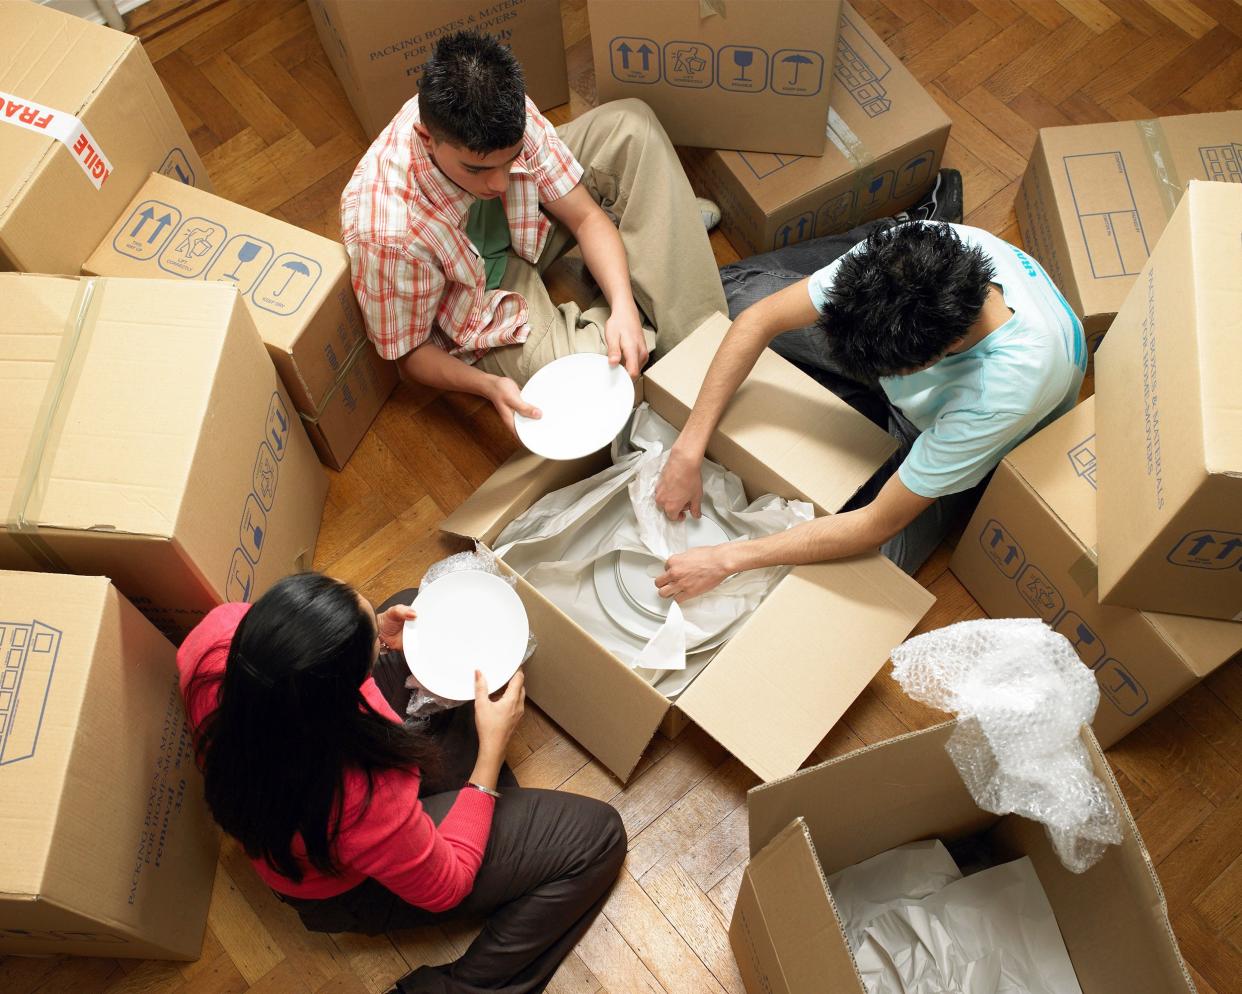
{"x":635,"y":176}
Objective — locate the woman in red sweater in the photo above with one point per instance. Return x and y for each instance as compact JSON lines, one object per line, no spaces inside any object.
{"x":363,"y":823}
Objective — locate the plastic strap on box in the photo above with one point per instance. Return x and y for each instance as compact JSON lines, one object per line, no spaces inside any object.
{"x":347,"y":367}
{"x":851,"y":146}
{"x":62,"y":126}
{"x":1160,"y":158}
{"x":31,"y":488}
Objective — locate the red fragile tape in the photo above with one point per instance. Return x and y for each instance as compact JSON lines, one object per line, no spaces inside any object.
{"x":62,"y":126}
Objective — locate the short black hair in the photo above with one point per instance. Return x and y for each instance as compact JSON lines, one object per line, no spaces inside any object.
{"x":903,"y":299}
{"x":473,"y":93}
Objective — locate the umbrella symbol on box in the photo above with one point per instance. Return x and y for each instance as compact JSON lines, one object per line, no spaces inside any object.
{"x":798,"y":61}
{"x":295,"y":268}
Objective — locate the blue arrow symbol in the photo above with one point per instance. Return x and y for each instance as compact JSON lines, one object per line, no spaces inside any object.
{"x":1011,"y":555}
{"x":801,"y":227}
{"x":144,"y":217}
{"x":646,"y":53}
{"x":160,"y":225}
{"x":1228,"y":547}
{"x":998,"y":536}
{"x":180,"y":175}
{"x":277,"y":441}
{"x":625,"y":50}
{"x":280,"y":416}
{"x":785,"y":235}
{"x":1201,"y":543}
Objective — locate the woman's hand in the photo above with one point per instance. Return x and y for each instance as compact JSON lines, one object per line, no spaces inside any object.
{"x":497,"y":719}
{"x":391,"y":624}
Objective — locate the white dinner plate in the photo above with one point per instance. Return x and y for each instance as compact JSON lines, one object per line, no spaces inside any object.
{"x":466,"y":621}
{"x":636,"y":573}
{"x":585,"y":403}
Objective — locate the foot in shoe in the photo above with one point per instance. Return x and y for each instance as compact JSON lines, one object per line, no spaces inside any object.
{"x":942,"y":203}
{"x":708,"y":211}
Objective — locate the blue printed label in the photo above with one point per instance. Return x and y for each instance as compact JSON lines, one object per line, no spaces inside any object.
{"x":28,"y":651}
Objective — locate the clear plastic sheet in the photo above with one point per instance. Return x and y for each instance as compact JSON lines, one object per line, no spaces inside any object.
{"x":1021,"y":695}
{"x":423,"y":704}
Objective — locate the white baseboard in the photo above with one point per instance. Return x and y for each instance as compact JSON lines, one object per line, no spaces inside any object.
{"x":88,"y":10}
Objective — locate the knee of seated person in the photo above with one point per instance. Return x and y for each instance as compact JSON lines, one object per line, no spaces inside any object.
{"x":613,"y":834}
{"x":632,"y":112}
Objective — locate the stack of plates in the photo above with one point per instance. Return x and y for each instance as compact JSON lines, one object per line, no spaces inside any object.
{"x":625,"y":585}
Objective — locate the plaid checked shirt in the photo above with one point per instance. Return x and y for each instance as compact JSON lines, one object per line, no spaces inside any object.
{"x":416,"y":274}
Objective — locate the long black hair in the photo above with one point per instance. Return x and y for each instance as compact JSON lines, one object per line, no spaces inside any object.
{"x":291,"y":719}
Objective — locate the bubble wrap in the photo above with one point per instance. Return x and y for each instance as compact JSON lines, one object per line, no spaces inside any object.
{"x":1021,"y":695}
{"x":422,"y":704}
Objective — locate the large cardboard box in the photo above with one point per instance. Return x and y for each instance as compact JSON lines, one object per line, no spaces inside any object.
{"x":886,"y":137}
{"x":1170,"y":422}
{"x":109,"y":849}
{"x":378,"y":48}
{"x":1095,"y":198}
{"x":752,"y":74}
{"x":1030,"y":552}
{"x":296,"y":286}
{"x":786,"y":933}
{"x":807,"y":651}
{"x":145,"y":436}
{"x":85,"y":121}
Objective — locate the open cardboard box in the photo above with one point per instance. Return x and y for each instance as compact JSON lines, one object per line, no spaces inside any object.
{"x":810,"y":647}
{"x":788,"y":938}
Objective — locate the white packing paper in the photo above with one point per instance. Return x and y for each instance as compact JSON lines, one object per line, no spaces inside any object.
{"x":916,"y":926}
{"x":555,"y":545}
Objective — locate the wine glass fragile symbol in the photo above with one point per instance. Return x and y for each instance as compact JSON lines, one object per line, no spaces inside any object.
{"x":245,"y":254}
{"x":742,"y":58}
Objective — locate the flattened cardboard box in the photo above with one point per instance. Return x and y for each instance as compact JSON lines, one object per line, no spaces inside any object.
{"x":145,"y":436}
{"x":84,"y":121}
{"x":886,"y":139}
{"x":751,"y":74}
{"x":378,"y":48}
{"x":1029,"y":551}
{"x":109,"y":847}
{"x":1095,"y":198}
{"x":1170,"y":421}
{"x":807,"y":651}
{"x":296,"y":286}
{"x":786,"y":932}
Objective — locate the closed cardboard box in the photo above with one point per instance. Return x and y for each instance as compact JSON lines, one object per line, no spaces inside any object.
{"x":752,"y":74}
{"x":886,"y":137}
{"x":1030,"y":551}
{"x":145,"y":436}
{"x":1095,"y":198}
{"x":378,"y":48}
{"x":1170,"y":423}
{"x":84,"y":121}
{"x":109,"y":849}
{"x":807,"y":651}
{"x":786,"y":932}
{"x":295,"y":284}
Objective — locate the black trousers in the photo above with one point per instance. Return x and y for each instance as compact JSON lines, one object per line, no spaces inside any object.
{"x":549,"y":863}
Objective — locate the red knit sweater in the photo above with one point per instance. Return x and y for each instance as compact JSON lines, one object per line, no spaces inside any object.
{"x":393,"y":839}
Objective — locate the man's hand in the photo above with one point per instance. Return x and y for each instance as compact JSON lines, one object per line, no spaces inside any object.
{"x":391,"y":624}
{"x":693,"y":573}
{"x":506,"y":397}
{"x":680,"y":487}
{"x":624,"y":339}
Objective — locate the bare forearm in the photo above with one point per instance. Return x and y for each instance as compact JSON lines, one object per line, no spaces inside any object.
{"x":836,"y":536}
{"x":738,"y":353}
{"x":604,"y":255}
{"x":432,"y":366}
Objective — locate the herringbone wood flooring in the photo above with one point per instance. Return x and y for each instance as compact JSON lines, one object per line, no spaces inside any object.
{"x":255,"y":91}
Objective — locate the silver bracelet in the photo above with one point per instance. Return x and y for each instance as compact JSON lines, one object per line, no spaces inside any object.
{"x":485,"y":790}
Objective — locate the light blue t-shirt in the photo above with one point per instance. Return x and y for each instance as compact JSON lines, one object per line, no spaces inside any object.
{"x":972,"y":408}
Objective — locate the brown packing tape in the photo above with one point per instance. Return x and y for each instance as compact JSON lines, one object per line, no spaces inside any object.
{"x":1160,"y":159}
{"x":1083,"y":573}
{"x":31,"y":488}
{"x":855,"y":151}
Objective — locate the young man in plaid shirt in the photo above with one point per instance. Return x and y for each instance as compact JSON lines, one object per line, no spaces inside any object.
{"x":468,"y":196}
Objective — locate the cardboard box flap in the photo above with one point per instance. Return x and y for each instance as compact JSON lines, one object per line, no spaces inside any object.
{"x":785,"y":932}
{"x":905,"y":788}
{"x":517,"y":483}
{"x":47,"y":666}
{"x":782,"y":432}
{"x":52,"y":60}
{"x":1058,"y":464}
{"x":855,"y":610}
{"x":105,"y":465}
{"x":1204,"y":644}
{"x":1216,"y":220}
{"x":580,"y":685}
{"x":1113,"y":918}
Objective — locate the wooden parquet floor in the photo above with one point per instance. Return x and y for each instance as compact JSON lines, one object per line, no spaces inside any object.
{"x":255,"y":91}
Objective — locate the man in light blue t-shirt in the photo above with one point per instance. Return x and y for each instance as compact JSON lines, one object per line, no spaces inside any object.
{"x":952,"y":339}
